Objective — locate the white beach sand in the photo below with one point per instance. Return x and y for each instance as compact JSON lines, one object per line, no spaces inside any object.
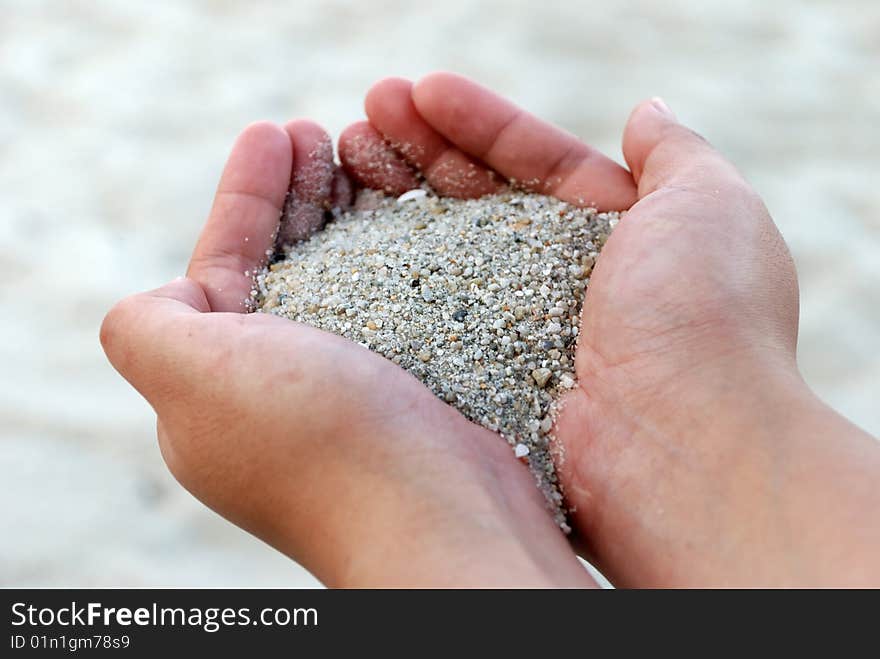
{"x":116,"y":117}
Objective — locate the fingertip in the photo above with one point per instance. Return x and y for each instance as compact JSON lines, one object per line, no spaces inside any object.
{"x":429,"y":89}
{"x":311,"y":181}
{"x":437,"y":82}
{"x":349,"y":145}
{"x":650,"y":113}
{"x":259,"y":162}
{"x":349,"y":135}
{"x":646,"y":126}
{"x":660,"y":106}
{"x":377,"y":99}
{"x":661,"y":152}
{"x":371,"y":162}
{"x":306,"y":134}
{"x":263,"y":131}
{"x":312,"y":151}
{"x":444,"y":98}
{"x":260,"y":142}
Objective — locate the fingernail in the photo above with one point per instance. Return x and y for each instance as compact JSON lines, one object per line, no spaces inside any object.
{"x":660,"y":105}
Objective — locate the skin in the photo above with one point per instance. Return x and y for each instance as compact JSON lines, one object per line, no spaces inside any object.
{"x":695,"y":455}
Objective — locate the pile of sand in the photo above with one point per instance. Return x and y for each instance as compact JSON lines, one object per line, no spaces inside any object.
{"x":479,"y":299}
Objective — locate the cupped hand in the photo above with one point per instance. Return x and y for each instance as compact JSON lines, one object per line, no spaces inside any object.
{"x":321,"y":448}
{"x":680,"y":462}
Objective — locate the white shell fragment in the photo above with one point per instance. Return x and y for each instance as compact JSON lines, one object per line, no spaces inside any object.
{"x":566,"y":381}
{"x":521,"y":450}
{"x":412,"y":195}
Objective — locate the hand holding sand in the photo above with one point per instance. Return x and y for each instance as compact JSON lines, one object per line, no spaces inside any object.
{"x":323,"y":449}
{"x":694,"y":453}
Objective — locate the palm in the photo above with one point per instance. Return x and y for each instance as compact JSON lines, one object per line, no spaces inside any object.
{"x":287,"y":430}
{"x":282,"y":398}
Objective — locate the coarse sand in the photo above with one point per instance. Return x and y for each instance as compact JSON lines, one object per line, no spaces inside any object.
{"x":479,"y":299}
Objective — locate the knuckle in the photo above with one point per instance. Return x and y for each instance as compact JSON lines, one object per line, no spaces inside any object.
{"x":115,"y":323}
{"x":739,"y":187}
{"x":751,"y":200}
{"x":694,"y":136}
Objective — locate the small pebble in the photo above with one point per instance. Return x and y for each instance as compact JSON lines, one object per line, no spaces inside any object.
{"x":541,"y":376}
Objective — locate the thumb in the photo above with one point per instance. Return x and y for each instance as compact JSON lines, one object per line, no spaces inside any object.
{"x":145,"y":335}
{"x":663,"y":153}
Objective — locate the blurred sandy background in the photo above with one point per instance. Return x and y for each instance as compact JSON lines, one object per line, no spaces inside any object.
{"x":116,"y":117}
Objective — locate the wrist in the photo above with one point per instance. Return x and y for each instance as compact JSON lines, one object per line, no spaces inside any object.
{"x":439,"y":508}
{"x":794,"y":484}
{"x":715,"y":479}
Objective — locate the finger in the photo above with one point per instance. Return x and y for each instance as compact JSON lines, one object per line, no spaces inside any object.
{"x":662,"y":153}
{"x":680,"y":175}
{"x":519,"y":146}
{"x":448,"y":170}
{"x":243,"y":221}
{"x":372,"y":163}
{"x":311,"y":184}
{"x":146,"y":336}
